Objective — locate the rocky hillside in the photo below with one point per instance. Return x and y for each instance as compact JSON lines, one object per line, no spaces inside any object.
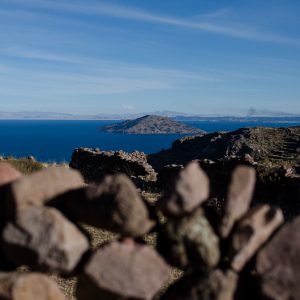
{"x":152,"y":125}
{"x":276,"y":145}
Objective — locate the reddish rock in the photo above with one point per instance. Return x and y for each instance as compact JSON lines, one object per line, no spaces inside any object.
{"x":8,"y":173}
{"x":41,"y":187}
{"x":251,"y":232}
{"x":278,"y":264}
{"x":217,"y":285}
{"x":28,"y":286}
{"x":113,"y":204}
{"x":189,"y":190}
{"x":44,"y":239}
{"x":239,"y":198}
{"x":123,"y":271}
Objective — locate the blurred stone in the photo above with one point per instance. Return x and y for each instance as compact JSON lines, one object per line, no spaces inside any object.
{"x":123,"y":270}
{"x":8,"y":173}
{"x":189,"y":190}
{"x":43,"y":239}
{"x":189,"y":242}
{"x":41,"y":187}
{"x":278,"y":264}
{"x":239,"y":197}
{"x":113,"y":204}
{"x":251,"y":232}
{"x":214,"y":286}
{"x":167,"y":174}
{"x":28,"y":286}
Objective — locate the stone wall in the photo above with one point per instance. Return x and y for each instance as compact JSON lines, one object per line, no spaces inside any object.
{"x":94,"y":164}
{"x":244,"y":253}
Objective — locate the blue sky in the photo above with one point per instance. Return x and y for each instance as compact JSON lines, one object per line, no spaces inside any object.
{"x":202,"y":57}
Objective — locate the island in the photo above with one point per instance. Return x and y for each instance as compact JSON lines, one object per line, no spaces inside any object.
{"x":151,"y":124}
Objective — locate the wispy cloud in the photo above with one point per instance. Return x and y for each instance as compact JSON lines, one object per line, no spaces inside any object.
{"x":209,"y":22}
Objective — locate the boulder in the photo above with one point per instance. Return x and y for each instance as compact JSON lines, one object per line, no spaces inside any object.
{"x":28,"y":286}
{"x":8,"y":173}
{"x":217,"y":285}
{"x":112,"y":204}
{"x":44,"y":239}
{"x":123,"y":270}
{"x":189,"y":190}
{"x":189,"y":242}
{"x":40,"y":187}
{"x":239,"y":198}
{"x":278,"y":264}
{"x":251,"y":232}
{"x":167,"y":174}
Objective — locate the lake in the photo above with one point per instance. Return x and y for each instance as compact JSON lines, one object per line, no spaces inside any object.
{"x":54,"y":141}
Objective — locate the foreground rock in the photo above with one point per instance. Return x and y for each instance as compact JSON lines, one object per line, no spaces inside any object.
{"x":40,"y":187}
{"x":123,"y":271}
{"x":43,"y":239}
{"x":167,"y":174}
{"x":151,"y":124}
{"x":252,"y":232}
{"x":113,"y":204}
{"x":94,"y":164}
{"x":189,"y":190}
{"x":278,"y":264}
{"x":28,"y":286}
{"x":214,"y":286}
{"x":8,"y":173}
{"x":238,"y":199}
{"x":189,"y":242}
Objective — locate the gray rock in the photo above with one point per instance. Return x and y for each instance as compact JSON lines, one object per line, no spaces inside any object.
{"x":278,"y":264}
{"x":238,"y":199}
{"x":113,"y":204}
{"x":214,"y":286}
{"x":251,"y":232}
{"x":40,"y":187}
{"x":189,"y":242}
{"x":123,"y":270}
{"x":43,"y":239}
{"x":189,"y":190}
{"x":28,"y":286}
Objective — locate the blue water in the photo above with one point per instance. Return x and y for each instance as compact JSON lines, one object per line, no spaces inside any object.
{"x":51,"y":141}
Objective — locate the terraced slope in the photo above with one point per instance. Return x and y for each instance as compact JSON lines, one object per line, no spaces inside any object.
{"x":276,"y":145}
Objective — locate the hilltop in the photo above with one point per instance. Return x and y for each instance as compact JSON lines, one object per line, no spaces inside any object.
{"x":151,"y":124}
{"x":276,"y":145}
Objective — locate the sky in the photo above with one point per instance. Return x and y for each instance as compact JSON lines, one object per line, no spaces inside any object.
{"x":200,"y":57}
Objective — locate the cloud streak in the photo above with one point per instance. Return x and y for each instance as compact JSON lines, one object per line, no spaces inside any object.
{"x":209,"y":23}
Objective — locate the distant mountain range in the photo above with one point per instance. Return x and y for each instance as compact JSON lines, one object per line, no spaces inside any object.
{"x":252,"y":115}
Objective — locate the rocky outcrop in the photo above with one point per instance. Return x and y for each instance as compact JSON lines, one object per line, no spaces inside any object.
{"x":94,"y":164}
{"x":152,"y":125}
{"x":275,"y":145}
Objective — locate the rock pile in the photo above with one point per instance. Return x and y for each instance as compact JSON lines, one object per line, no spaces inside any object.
{"x":244,"y":253}
{"x":94,"y":164}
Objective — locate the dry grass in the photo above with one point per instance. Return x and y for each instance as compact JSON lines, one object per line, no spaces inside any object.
{"x":25,"y":165}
